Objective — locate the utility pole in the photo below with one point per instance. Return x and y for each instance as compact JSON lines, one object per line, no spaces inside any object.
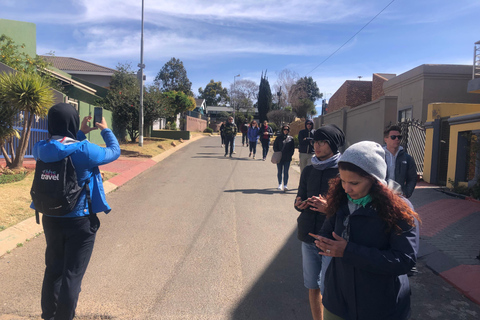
{"x":234,"y":94}
{"x":141,"y":79}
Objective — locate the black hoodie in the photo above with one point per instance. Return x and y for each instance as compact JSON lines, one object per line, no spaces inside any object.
{"x":305,"y":139}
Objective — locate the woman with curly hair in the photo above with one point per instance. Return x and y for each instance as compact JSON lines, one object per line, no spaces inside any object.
{"x":371,"y":233}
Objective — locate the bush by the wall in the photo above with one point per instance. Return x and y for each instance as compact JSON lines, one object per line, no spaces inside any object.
{"x":208,"y":130}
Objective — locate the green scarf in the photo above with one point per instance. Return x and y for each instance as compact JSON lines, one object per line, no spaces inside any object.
{"x":362,"y":201}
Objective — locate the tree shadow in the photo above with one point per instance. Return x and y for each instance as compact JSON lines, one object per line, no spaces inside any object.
{"x":261,"y":191}
{"x":279,"y":292}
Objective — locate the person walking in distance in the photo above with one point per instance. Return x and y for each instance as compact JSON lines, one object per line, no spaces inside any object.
{"x":284,"y":143}
{"x":266,"y":133}
{"x":70,"y":238}
{"x":230,"y":132}
{"x":253,"y":133}
{"x":305,"y":144}
{"x":222,"y":134}
{"x":400,"y":165}
{"x":311,"y":203}
{"x":244,"y":130}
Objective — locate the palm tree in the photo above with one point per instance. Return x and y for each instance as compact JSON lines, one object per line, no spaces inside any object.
{"x":28,"y":93}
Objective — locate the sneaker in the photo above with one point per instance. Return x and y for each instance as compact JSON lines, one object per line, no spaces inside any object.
{"x":250,"y":155}
{"x":285,"y":188}
{"x":264,"y":159}
{"x":280,"y":187}
{"x":253,"y":156}
{"x":234,"y":152}
{"x":225,"y":155}
{"x":223,"y":146}
{"x":230,"y":155}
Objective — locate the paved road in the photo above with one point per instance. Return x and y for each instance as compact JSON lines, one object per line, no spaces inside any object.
{"x":199,"y":236}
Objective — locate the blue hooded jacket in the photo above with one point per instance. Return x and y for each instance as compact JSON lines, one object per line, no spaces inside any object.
{"x":86,"y":158}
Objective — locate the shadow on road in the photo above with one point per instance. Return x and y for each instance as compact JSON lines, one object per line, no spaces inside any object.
{"x":261,"y":191}
{"x":279,"y":292}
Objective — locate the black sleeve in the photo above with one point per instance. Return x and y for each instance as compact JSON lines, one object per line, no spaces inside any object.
{"x":276,"y":144}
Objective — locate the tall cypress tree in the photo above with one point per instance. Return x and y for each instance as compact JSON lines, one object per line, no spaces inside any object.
{"x":264,"y":98}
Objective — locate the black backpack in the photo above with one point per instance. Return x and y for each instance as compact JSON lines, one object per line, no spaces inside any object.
{"x":55,"y":190}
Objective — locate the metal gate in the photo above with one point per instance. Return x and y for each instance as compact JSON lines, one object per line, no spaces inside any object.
{"x":413,"y":141}
{"x":38,"y":132}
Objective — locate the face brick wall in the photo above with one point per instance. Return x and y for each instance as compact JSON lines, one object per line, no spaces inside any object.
{"x":352,"y":94}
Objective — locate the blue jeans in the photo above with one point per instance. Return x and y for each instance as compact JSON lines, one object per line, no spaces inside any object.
{"x":265,"y":146}
{"x":253,"y":147}
{"x":314,"y":267}
{"x":283,"y":166}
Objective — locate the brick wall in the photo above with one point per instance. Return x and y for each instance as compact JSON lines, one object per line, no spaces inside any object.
{"x":195,"y":124}
{"x":358,"y":93}
{"x":377,"y":86}
{"x":339,"y":99}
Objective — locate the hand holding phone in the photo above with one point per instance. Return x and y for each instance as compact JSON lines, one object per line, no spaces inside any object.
{"x":97,"y":115}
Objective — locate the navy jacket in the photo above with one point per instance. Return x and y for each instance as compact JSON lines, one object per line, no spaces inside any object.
{"x":370,"y":281}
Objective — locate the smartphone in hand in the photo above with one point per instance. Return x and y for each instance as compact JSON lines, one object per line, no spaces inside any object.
{"x":97,"y":115}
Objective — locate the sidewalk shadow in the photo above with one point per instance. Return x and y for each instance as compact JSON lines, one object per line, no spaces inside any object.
{"x":261,"y":191}
{"x":279,"y":292}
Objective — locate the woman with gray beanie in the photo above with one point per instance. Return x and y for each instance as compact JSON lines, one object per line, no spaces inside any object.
{"x":371,"y":234}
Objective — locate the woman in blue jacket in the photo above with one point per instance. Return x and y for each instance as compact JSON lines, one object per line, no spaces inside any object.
{"x":253,"y":133}
{"x":372,"y":235}
{"x":70,"y":238}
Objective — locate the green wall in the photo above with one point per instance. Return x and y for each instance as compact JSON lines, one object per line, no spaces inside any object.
{"x":85,"y":109}
{"x":21,"y":33}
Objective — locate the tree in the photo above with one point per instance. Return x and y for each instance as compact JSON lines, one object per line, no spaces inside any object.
{"x":281,"y":117}
{"x":264,"y":98}
{"x":177,"y":102}
{"x":243,"y":94}
{"x":302,"y":97}
{"x":285,"y":80}
{"x":173,"y":77}
{"x":30,"y":94}
{"x":214,"y":94}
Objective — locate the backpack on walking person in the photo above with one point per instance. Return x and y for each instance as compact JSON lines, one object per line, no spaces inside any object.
{"x":55,"y":190}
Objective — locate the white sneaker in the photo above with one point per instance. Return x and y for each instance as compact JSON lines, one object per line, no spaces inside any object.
{"x":285,"y":188}
{"x":279,"y":187}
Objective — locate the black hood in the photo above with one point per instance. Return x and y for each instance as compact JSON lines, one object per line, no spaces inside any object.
{"x":307,"y":122}
{"x":63,"y":120}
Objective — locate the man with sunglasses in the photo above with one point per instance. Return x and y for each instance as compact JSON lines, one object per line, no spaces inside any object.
{"x":400,"y":165}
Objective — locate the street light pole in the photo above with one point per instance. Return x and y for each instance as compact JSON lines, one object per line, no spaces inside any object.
{"x":235,"y":93}
{"x":141,"y":66}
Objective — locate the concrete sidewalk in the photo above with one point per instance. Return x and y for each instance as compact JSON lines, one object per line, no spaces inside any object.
{"x":126,"y":169}
{"x":449,"y":233}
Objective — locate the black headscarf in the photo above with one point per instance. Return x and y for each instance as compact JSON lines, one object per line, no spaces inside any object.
{"x":63,"y":120}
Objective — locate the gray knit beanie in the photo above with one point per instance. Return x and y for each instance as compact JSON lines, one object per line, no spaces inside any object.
{"x":369,"y":156}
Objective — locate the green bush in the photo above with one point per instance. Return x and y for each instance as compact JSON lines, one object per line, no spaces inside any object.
{"x":208,"y":130}
{"x":295,"y":139}
{"x":273,"y":126}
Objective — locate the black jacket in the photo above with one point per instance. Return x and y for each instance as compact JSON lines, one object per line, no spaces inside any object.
{"x":370,"y":281}
{"x":305,"y":141}
{"x":313,"y":182}
{"x":287,"y":148}
{"x":264,"y":129}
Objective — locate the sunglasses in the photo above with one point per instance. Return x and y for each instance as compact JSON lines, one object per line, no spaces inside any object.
{"x":393,"y":137}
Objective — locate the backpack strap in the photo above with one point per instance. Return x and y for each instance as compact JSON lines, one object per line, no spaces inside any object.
{"x":37,"y":217}
{"x":87,"y":193}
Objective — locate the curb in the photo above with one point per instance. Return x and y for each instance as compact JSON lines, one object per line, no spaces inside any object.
{"x":15,"y":235}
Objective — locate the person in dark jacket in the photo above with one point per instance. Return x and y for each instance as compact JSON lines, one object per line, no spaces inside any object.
{"x":70,"y":238}
{"x":400,"y":165}
{"x":266,"y":133}
{"x":372,"y":235}
{"x":305,"y":144}
{"x":284,"y":143}
{"x":229,"y":131}
{"x":310,"y":202}
{"x":222,"y":134}
{"x":244,"y":130}
{"x":253,"y":133}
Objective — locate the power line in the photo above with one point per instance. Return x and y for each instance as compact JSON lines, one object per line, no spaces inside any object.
{"x":351,"y":37}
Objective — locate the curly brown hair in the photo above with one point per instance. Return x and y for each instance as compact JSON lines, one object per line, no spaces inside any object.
{"x":391,"y":207}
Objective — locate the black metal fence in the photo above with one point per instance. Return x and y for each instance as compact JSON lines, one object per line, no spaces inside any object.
{"x":413,"y":141}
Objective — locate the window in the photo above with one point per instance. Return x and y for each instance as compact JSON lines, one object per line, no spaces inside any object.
{"x":404,"y":114}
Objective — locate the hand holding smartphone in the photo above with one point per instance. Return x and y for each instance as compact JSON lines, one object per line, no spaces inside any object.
{"x":97,"y":115}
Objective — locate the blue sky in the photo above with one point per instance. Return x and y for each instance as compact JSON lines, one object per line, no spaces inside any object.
{"x":219,"y":39}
